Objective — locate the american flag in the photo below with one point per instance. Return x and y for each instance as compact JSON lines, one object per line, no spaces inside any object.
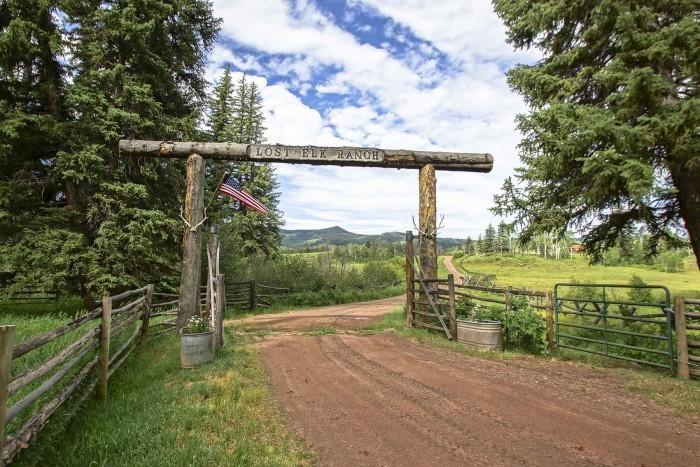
{"x":233,"y":188}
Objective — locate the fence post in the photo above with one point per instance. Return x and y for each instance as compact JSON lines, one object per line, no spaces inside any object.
{"x":453,"y":306}
{"x":103,"y":365}
{"x":549,"y":317}
{"x":683,"y":369}
{"x":410,"y":293}
{"x":253,"y":298}
{"x":506,"y":298}
{"x":219,"y":311}
{"x":146,"y":314}
{"x":7,"y":334}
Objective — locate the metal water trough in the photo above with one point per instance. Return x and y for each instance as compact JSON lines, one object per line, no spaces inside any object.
{"x":487,"y":335}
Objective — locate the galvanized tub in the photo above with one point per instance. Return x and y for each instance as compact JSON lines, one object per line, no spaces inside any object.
{"x":486,"y":335}
{"x":196,"y":349}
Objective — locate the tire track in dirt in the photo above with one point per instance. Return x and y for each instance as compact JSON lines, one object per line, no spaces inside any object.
{"x":382,"y":400}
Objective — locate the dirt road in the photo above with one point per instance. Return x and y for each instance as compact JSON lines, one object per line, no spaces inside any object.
{"x":349,"y":316}
{"x":383,"y":400}
{"x":452,"y":269}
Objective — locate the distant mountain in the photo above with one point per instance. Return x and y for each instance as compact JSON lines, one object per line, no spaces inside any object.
{"x":317,"y":238}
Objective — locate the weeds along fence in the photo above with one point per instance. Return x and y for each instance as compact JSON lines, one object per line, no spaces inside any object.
{"x":71,"y":361}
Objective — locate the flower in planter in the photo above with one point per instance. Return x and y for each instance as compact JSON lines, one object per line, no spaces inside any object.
{"x":197,"y":325}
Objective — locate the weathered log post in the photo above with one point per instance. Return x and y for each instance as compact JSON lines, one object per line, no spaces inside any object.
{"x":103,"y":363}
{"x":146,"y":317}
{"x":192,"y":241}
{"x":7,"y":334}
{"x":252,"y":297}
{"x":453,"y":305}
{"x":410,"y":279}
{"x":549,"y":317}
{"x":427,"y":240}
{"x":212,"y":266}
{"x":506,"y":299}
{"x":683,"y":369}
{"x":219,"y":311}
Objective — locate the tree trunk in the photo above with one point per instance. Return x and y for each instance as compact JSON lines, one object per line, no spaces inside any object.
{"x":686,"y":180}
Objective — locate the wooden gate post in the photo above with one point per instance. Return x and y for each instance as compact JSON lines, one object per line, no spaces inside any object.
{"x":219,"y":311}
{"x":103,"y":364}
{"x":427,"y":240}
{"x":410,"y":278}
{"x":146,"y":314}
{"x":681,"y":338}
{"x":549,"y":317}
{"x":7,"y":334}
{"x":452,"y":305}
{"x":252,"y":297}
{"x":212,"y":266}
{"x":192,"y":241}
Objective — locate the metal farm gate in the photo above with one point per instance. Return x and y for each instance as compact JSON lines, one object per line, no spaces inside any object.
{"x":626,"y":322}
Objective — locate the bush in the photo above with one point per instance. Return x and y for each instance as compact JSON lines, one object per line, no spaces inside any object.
{"x":523,"y":327}
{"x":671,"y":261}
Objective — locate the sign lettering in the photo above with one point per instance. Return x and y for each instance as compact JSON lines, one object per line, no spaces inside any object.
{"x":305,"y":153}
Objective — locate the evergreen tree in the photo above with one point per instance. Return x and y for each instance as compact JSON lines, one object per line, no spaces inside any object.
{"x":502,"y":237}
{"x":469,"y":246}
{"x":611,"y":140}
{"x":114,"y":221}
{"x":244,"y":233}
{"x":221,"y":107}
{"x":490,"y":239}
{"x":32,"y":82}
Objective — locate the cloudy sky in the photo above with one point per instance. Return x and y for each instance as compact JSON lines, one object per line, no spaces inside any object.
{"x":413,"y":74}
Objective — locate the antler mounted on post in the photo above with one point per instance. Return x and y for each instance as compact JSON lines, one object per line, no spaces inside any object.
{"x":432,"y":233}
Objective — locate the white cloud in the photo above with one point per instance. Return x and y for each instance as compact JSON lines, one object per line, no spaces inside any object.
{"x":403,"y":103}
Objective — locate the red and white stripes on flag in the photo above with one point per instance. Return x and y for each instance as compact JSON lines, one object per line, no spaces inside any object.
{"x":233,"y":188}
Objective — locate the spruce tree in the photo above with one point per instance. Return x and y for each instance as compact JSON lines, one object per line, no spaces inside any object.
{"x":244,"y":232}
{"x":611,"y":140}
{"x":490,"y":239}
{"x":137,"y":72}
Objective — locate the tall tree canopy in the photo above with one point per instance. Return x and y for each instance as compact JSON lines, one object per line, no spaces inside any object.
{"x":85,"y":74}
{"x":236,"y":115}
{"x":612,"y":137}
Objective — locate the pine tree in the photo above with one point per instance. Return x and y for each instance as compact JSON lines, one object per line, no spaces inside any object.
{"x":221,"y":107}
{"x":612,"y":131}
{"x":32,"y":82}
{"x":469,"y":246}
{"x":502,"y":237}
{"x":490,"y":245}
{"x":118,"y":225}
{"x":244,"y":233}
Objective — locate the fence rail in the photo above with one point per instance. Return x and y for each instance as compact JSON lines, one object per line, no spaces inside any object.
{"x":250,"y":295}
{"x":76,"y":362}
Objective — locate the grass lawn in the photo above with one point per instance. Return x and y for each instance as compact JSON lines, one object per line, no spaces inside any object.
{"x":540,"y":274}
{"x":159,"y":414}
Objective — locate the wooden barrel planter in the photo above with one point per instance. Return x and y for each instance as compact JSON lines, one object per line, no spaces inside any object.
{"x":486,"y":335}
{"x":196,"y":349}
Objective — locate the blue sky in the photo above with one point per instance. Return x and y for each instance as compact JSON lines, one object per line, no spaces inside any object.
{"x":382,"y":73}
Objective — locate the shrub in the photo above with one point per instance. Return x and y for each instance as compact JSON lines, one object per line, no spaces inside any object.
{"x":671,"y":261}
{"x":524,"y":328}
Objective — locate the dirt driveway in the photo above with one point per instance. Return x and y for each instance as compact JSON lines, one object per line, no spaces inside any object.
{"x":383,"y":400}
{"x":348,"y":316}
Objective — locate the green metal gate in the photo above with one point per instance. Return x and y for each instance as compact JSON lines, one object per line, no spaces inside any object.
{"x":626,"y":322}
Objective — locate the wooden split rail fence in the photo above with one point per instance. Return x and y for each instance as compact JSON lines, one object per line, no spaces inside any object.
{"x":250,"y":295}
{"x":112,"y":331}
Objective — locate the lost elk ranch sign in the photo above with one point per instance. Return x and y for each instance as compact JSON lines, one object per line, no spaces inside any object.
{"x":303,"y":153}
{"x":316,"y":155}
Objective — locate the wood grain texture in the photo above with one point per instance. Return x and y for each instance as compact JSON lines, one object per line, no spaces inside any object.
{"x":192,"y":241}
{"x":314,"y":155}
